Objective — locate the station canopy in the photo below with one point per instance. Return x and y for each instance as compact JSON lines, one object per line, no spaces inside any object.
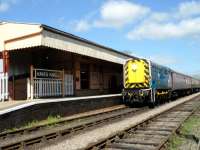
{"x":18,"y":36}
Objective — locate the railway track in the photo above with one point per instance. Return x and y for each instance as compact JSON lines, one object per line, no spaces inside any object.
{"x":34,"y":128}
{"x":151,"y":134}
{"x":31,"y":137}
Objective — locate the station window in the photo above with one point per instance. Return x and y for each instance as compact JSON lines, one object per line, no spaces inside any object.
{"x":84,"y":75}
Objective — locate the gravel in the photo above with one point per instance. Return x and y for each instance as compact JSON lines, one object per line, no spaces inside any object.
{"x":81,"y":141}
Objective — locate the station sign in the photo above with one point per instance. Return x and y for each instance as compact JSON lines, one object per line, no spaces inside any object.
{"x":48,"y":74}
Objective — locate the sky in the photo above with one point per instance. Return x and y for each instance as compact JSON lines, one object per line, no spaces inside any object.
{"x":166,"y":32}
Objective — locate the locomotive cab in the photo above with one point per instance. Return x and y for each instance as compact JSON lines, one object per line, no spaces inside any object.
{"x":136,"y":81}
{"x":136,"y":72}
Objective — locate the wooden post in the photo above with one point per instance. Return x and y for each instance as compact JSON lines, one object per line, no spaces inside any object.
{"x":5,"y":55}
{"x":32,"y":82}
{"x":5,"y":61}
{"x":28,"y":88}
{"x":13,"y":86}
{"x":63,"y":83}
{"x":74,"y":73}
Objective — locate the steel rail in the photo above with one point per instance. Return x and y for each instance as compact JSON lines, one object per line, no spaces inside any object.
{"x":59,"y":131}
{"x":34,"y":128}
{"x":129,"y":139}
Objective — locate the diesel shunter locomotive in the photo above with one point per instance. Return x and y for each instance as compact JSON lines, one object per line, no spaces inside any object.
{"x":151,"y":83}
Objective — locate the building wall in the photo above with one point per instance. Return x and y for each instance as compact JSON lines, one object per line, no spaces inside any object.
{"x":104,"y":77}
{"x":19,"y":63}
{"x":19,"y":71}
{"x":101,"y":75}
{"x":96,"y":77}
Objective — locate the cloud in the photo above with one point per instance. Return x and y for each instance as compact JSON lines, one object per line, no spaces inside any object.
{"x":158,"y":17}
{"x":163,"y":59}
{"x":151,"y":30}
{"x":112,"y":14}
{"x":184,"y":21}
{"x":6,"y":4}
{"x":189,"y":8}
{"x":76,"y":25}
{"x":118,"y":13}
{"x":160,"y":58}
{"x":81,"y":26}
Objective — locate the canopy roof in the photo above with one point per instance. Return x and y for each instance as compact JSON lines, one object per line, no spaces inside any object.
{"x":16,"y":36}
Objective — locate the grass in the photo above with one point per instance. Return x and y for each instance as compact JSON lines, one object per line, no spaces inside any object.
{"x":174,"y":142}
{"x":192,"y":123}
{"x":188,"y":127}
{"x":50,"y":120}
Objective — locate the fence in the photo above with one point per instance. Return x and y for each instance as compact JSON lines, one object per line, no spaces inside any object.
{"x":47,"y":88}
{"x":3,"y":86}
{"x":49,"y":83}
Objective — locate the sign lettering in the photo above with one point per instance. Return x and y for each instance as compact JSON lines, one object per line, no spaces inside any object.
{"x":47,"y":74}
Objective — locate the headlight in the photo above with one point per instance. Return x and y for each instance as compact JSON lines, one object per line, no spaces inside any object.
{"x":134,"y":67}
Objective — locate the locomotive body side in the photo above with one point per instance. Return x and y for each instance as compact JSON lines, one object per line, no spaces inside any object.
{"x":161,"y":82}
{"x":161,"y":77}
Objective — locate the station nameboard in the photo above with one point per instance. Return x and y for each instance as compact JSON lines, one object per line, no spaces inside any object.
{"x":48,"y":74}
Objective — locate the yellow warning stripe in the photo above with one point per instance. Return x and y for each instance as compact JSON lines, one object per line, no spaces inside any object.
{"x":147,"y":75}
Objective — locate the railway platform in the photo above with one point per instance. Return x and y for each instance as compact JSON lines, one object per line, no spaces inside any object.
{"x":17,"y":113}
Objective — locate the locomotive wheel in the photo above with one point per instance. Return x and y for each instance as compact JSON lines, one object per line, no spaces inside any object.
{"x":127,"y":100}
{"x":124,"y":99}
{"x":152,"y":102}
{"x":131,"y":102}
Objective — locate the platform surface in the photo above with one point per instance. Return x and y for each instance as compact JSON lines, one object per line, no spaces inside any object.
{"x":9,"y":106}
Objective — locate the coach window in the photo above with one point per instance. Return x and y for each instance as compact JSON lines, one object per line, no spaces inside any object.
{"x":84,"y":75}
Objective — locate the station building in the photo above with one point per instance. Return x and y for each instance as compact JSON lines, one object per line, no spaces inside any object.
{"x":40,"y":61}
